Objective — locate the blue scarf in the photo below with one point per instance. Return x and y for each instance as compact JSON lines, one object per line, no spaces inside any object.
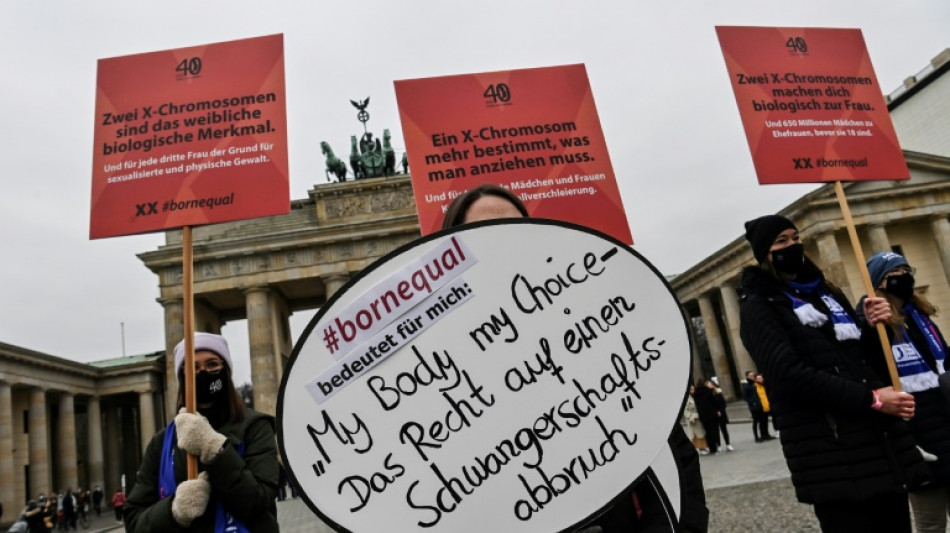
{"x":223,"y":521}
{"x":915,"y":374}
{"x":845,"y":326}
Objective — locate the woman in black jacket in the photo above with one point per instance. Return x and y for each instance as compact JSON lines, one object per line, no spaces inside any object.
{"x":919,"y":352}
{"x":709,"y":412}
{"x":849,"y":453}
{"x":236,"y":488}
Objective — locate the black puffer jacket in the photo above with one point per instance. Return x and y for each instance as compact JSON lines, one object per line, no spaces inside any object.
{"x":931,"y":423}
{"x":820,"y":389}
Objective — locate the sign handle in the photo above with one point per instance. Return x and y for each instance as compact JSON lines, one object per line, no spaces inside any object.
{"x":188,"y":301}
{"x":868,"y":286}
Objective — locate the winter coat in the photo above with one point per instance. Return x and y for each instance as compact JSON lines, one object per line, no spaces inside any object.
{"x":706,"y":406}
{"x":720,"y":401}
{"x":246,"y":485}
{"x":751,"y":397}
{"x":821,"y":390}
{"x":931,"y":422}
{"x":763,"y":397}
{"x":692,"y":427}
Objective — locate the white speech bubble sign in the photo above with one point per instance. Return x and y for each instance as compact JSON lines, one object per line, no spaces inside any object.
{"x":529,"y":407}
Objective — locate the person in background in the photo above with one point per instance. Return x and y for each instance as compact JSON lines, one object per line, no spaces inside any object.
{"x":723,"y":415}
{"x":49,"y":510}
{"x":850,"y":454}
{"x":34,"y":516}
{"x":760,"y":424}
{"x":97,"y":496}
{"x":237,"y":457}
{"x":708,"y":413}
{"x":692,"y":427}
{"x":920,"y":353}
{"x":118,"y":504}
{"x":639,"y":509}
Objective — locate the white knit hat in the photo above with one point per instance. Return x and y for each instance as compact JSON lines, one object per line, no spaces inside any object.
{"x":204,"y":341}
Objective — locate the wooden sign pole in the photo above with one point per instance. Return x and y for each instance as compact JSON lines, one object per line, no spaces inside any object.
{"x":868,"y":286}
{"x":188,"y":301}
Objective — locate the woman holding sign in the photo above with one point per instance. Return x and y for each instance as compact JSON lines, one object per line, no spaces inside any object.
{"x":237,"y":458}
{"x":639,"y":509}
{"x":920,"y":352}
{"x":849,"y":453}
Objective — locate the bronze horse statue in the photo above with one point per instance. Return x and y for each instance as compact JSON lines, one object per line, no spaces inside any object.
{"x":334,"y":165}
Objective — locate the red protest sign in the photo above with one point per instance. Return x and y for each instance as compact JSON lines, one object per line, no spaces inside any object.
{"x":534,"y":131}
{"x":811,"y":105}
{"x":190,"y":136}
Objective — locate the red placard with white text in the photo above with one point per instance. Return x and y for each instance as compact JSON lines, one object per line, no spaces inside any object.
{"x":190,"y":136}
{"x":534,"y":131}
{"x":811,"y":105}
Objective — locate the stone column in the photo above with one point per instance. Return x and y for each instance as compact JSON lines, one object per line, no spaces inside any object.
{"x":7,"y":488}
{"x":174,"y":333}
{"x":334,"y":282}
{"x":941,"y":229}
{"x":697,"y":358}
{"x":716,"y":348}
{"x":112,"y":448}
{"x":40,"y":480}
{"x":67,"y":461}
{"x":730,"y":305}
{"x":831,"y":264}
{"x":94,"y":432}
{"x":263,"y":342}
{"x":879,"y":241}
{"x":146,"y":417}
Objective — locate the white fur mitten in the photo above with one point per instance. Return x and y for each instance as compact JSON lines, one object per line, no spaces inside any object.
{"x":191,"y":499}
{"x":197,"y":437}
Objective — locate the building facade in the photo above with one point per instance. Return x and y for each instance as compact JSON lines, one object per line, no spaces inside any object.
{"x":65,"y":425}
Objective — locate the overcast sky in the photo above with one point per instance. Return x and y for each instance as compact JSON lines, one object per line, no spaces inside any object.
{"x":656,"y":71}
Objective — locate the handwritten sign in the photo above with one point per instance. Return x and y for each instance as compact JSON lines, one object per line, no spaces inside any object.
{"x":546,"y":386}
{"x":535,"y":131}
{"x":190,"y":136}
{"x":811,"y":105}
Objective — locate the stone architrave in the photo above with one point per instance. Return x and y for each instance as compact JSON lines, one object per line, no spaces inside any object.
{"x":263,"y":347}
{"x":67,"y":460}
{"x":39,"y":443}
{"x":941,"y":230}
{"x":716,"y":348}
{"x":7,"y":487}
{"x":879,"y":240}
{"x":94,"y":433}
{"x":730,"y":305}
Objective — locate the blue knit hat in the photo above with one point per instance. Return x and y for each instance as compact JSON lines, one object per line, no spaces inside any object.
{"x":883,"y":262}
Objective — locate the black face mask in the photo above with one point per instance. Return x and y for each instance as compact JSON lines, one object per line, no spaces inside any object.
{"x":208,"y":386}
{"x":901,"y":286}
{"x":789,"y":260}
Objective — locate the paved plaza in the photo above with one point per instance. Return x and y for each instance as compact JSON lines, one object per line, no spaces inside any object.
{"x":747,"y":489}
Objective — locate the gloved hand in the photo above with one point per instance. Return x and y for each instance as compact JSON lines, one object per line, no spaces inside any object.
{"x":191,"y":499}
{"x":197,"y":437}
